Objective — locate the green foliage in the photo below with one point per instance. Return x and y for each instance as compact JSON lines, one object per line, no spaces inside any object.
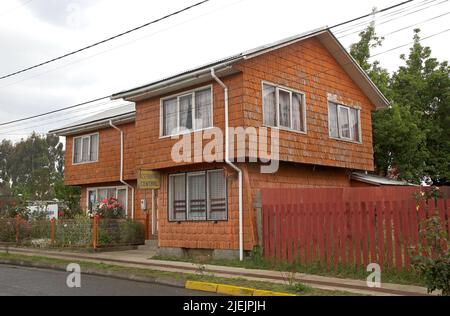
{"x":399,"y":142}
{"x":74,"y":233}
{"x":412,"y":138}
{"x":120,"y":232}
{"x":32,"y":169}
{"x":432,"y":259}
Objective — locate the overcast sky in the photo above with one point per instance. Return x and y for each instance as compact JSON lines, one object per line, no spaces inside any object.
{"x":37,"y":30}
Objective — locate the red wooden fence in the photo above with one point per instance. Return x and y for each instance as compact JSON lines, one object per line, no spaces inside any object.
{"x":345,"y":226}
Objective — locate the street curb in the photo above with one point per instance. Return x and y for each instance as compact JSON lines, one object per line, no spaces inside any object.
{"x":110,"y":274}
{"x":224,"y":289}
{"x":231,"y":290}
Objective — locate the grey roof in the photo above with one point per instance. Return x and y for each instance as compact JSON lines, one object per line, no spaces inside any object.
{"x":123,"y":114}
{"x":324,"y":34}
{"x":377,"y":180}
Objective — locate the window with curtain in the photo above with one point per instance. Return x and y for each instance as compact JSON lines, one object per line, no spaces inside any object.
{"x":188,"y":112}
{"x":97,"y":195}
{"x":203,"y":109}
{"x":196,"y":188}
{"x":284,"y":108}
{"x":344,"y":122}
{"x":177,"y":197}
{"x":85,"y":149}
{"x":198,"y":196}
{"x":217,"y":195}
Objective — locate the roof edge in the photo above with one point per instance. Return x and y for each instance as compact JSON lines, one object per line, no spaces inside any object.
{"x":95,"y":125}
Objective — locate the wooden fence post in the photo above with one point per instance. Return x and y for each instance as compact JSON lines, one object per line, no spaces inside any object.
{"x":17,"y":228}
{"x":257,"y":204}
{"x":52,"y":230}
{"x":95,"y":232}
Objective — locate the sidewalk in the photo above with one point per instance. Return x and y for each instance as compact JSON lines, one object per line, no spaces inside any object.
{"x":140,"y":259}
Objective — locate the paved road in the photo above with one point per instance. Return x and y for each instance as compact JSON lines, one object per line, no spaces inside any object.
{"x":19,"y":281}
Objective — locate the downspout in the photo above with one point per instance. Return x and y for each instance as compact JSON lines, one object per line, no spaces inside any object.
{"x":121,"y":166}
{"x":232,"y":165}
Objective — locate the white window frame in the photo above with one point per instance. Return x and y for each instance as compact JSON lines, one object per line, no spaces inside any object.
{"x":88,"y":136}
{"x":207,"y":196}
{"x":178,"y":96}
{"x":350,"y":121}
{"x":291,"y":91}
{"x":117,"y":188}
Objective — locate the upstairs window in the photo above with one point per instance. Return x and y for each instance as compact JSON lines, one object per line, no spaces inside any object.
{"x":186,"y":112}
{"x":85,"y":149}
{"x":284,"y":108}
{"x":344,"y":122}
{"x":198,"y":196}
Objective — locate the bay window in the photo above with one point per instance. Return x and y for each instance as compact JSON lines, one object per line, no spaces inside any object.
{"x":198,"y":196}
{"x":189,"y":111}
{"x":85,"y":149}
{"x":284,"y":108}
{"x":344,"y":122}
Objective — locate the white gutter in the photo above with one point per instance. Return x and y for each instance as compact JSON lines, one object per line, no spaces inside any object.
{"x":92,"y":126}
{"x":232,"y":165}
{"x":160,"y":86}
{"x":121,"y":166}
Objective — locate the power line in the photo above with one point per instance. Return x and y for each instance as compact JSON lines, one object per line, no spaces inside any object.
{"x":104,"y":41}
{"x":97,"y":99}
{"x":369,"y":14}
{"x":407,"y":44}
{"x":412,"y":25}
{"x":83,"y":109}
{"x":393,"y":19}
{"x":386,"y":15}
{"x":55,"y":120}
{"x":54,"y":111}
{"x":113,"y":48}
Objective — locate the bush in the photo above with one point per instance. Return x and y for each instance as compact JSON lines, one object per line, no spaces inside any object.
{"x":74,"y":233}
{"x":7,"y":230}
{"x":132,"y":233}
{"x":432,"y":259}
{"x":120,"y":232}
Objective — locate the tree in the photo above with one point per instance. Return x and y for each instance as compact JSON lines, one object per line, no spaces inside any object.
{"x":33,"y":169}
{"x":411,"y":138}
{"x":423,"y":84}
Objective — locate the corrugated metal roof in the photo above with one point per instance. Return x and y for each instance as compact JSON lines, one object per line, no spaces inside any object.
{"x":377,"y":180}
{"x":114,"y":114}
{"x":226,"y":60}
{"x":324,"y":34}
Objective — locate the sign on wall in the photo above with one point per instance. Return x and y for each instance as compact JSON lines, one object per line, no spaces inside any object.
{"x":148,"y":180}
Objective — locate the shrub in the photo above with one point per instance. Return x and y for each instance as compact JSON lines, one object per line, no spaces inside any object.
{"x":74,"y":233}
{"x":7,"y":230}
{"x":432,"y":258}
{"x":108,"y":208}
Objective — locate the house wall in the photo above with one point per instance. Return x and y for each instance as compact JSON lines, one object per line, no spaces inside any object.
{"x":139,"y":215}
{"x":224,"y":235}
{"x":107,"y":169}
{"x":155,"y":152}
{"x":307,"y":66}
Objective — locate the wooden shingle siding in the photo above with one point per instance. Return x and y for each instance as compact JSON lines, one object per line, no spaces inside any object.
{"x":307,"y":66}
{"x":107,"y":168}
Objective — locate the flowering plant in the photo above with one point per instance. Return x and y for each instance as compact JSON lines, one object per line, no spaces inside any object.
{"x":108,"y":208}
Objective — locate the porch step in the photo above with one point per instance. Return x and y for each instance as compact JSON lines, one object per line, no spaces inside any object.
{"x":151,"y":245}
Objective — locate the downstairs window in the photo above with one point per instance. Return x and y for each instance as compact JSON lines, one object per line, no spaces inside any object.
{"x":198,"y":196}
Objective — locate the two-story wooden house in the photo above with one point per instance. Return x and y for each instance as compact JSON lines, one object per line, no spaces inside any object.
{"x":307,"y":88}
